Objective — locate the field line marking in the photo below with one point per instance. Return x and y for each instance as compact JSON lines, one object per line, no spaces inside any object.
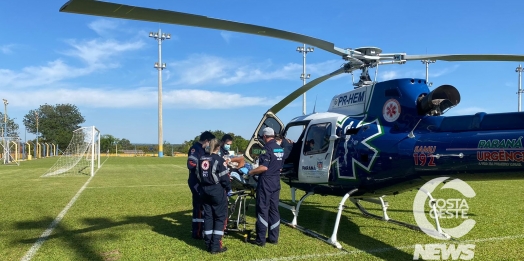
{"x":384,"y":249}
{"x":138,"y":186}
{"x":32,"y":251}
{"x":179,"y":167}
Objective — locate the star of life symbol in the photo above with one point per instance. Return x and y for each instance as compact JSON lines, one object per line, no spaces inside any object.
{"x":205,"y":165}
{"x":391,"y":110}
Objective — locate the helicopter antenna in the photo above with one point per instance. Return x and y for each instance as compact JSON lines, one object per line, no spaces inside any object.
{"x":315,"y":106}
{"x":411,"y":134}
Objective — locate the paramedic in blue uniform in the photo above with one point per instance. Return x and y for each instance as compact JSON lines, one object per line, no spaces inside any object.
{"x":227,"y":140}
{"x":215,"y":187}
{"x":194,"y":154}
{"x":268,"y":190}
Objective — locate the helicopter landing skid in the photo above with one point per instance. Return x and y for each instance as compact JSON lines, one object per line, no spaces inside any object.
{"x":295,"y":209}
{"x":385,"y":217}
{"x":380,"y":200}
{"x":333,"y":239}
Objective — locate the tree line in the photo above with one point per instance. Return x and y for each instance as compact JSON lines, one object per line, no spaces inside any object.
{"x":53,"y":123}
{"x":239,"y":144}
{"x":56,"y":123}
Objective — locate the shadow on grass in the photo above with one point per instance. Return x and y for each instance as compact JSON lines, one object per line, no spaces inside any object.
{"x":175,"y":225}
{"x":349,"y":232}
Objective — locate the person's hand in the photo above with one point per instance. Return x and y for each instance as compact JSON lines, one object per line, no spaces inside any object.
{"x":244,"y":170}
{"x":230,"y":193}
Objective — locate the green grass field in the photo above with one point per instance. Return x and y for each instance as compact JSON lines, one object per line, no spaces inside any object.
{"x":140,"y":209}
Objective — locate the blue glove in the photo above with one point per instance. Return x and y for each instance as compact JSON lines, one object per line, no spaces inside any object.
{"x":244,"y":170}
{"x":230,"y":193}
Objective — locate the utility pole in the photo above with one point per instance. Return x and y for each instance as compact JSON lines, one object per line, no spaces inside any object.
{"x":519,"y":92}
{"x":159,"y":36}
{"x":6,"y":142}
{"x":304,"y":76}
{"x":427,"y":62}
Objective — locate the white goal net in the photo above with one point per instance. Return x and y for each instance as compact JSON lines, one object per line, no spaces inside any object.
{"x":9,"y":149}
{"x":82,"y":155}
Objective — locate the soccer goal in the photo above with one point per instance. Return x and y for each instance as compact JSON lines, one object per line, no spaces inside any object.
{"x":10,"y":151}
{"x":81,"y":156}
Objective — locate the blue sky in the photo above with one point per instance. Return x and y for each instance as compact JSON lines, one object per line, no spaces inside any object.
{"x":223,"y":80}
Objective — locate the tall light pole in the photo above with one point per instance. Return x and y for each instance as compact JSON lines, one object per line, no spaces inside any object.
{"x":6,"y":144}
{"x":427,"y":62}
{"x":37,"y":136}
{"x":160,"y":66}
{"x":519,"y":92}
{"x":304,"y":76}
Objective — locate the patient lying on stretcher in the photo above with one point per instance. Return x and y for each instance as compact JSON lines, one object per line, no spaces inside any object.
{"x":239,"y":183}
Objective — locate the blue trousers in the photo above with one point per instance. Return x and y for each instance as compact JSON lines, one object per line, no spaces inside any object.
{"x":215,"y":201}
{"x":197,"y":227}
{"x":268,"y":216}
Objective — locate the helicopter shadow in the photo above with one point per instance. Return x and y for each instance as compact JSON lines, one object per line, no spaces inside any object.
{"x":349,"y":232}
{"x":176,"y":225}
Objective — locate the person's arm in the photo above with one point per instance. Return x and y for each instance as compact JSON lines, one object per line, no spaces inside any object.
{"x":223,"y":175}
{"x":192,"y":159}
{"x":263,"y":163}
{"x":258,"y":170}
{"x":240,"y":160}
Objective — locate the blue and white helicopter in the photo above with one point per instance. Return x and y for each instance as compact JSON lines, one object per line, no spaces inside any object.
{"x":381,"y":138}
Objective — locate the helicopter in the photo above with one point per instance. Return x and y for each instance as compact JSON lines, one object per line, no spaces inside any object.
{"x":379,"y":139}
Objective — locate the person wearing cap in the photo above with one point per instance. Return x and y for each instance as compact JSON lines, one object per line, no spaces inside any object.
{"x":268,"y":190}
{"x":193,"y":155}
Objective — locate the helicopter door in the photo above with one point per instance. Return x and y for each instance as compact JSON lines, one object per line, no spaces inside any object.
{"x":256,"y":144}
{"x":317,"y":151}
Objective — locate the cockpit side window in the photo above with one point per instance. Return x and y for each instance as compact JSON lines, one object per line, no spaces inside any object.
{"x":317,"y":139}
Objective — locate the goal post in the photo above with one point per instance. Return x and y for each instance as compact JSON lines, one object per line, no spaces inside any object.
{"x":9,"y":150}
{"x":81,"y":156}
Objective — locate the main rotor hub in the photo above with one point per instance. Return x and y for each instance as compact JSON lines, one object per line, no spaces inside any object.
{"x":371,"y":51}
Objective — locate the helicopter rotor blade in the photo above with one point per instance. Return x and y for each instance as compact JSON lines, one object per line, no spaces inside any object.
{"x":308,"y":86}
{"x":106,"y":9}
{"x":467,"y":57}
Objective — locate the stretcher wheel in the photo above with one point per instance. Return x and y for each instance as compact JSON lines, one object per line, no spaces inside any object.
{"x":247,"y":236}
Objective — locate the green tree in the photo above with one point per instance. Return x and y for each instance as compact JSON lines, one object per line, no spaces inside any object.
{"x":107,"y":142}
{"x":55,"y":123}
{"x":239,"y":143}
{"x":125,"y":144}
{"x":12,"y":127}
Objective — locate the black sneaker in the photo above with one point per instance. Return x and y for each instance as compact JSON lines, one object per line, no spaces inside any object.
{"x":222,"y":250}
{"x":271,"y":241}
{"x":254,"y":242}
